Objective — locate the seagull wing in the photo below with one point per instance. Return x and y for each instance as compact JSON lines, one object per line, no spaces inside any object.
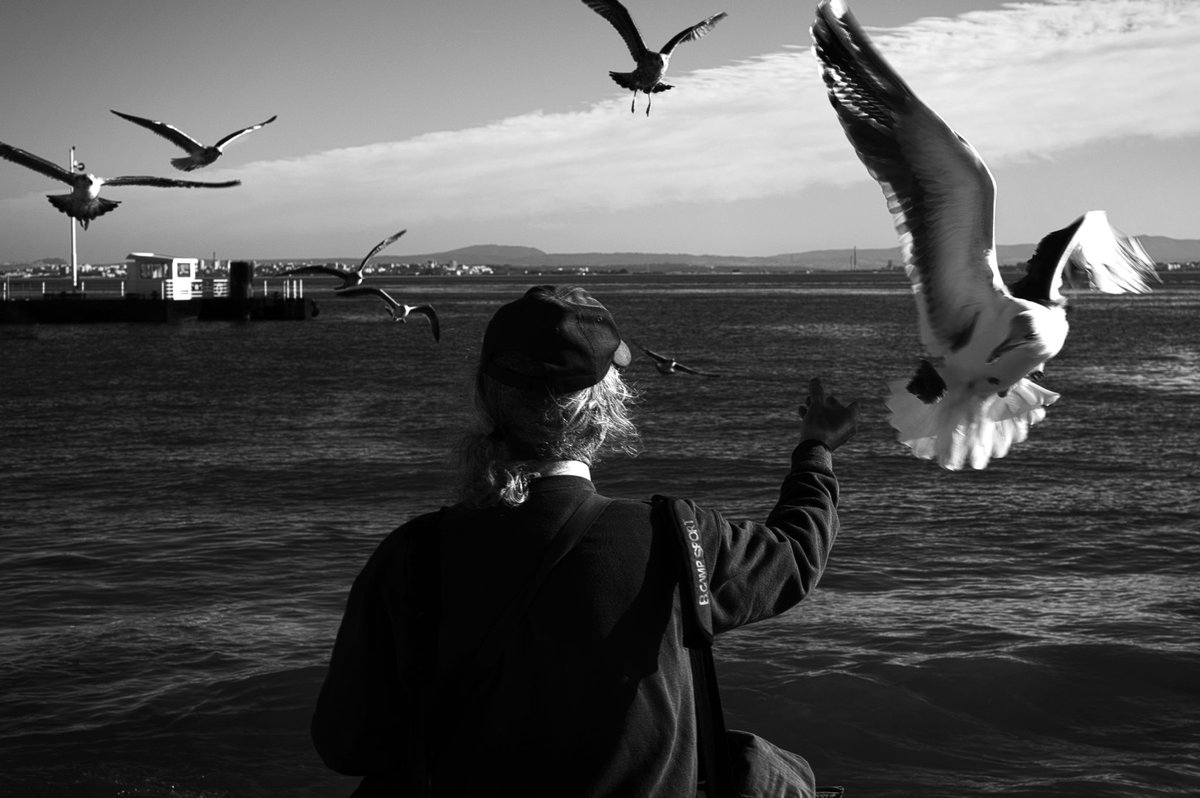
{"x":939,"y":191}
{"x":379,"y":248}
{"x":428,"y":312}
{"x":371,"y":289}
{"x":619,"y":16}
{"x":166,"y":182}
{"x":168,"y":132}
{"x":1113,"y":262}
{"x":221,"y":144}
{"x":320,"y":270}
{"x":36,"y":163}
{"x":656,"y":356}
{"x":697,"y":31}
{"x":691,"y":370}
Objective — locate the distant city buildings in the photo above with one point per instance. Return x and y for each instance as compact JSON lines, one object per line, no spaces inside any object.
{"x":218,"y":268}
{"x":56,"y":268}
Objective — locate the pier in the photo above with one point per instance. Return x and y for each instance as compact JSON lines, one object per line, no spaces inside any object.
{"x":158,"y":289}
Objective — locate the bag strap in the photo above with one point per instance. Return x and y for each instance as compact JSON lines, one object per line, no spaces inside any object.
{"x":695,"y":601}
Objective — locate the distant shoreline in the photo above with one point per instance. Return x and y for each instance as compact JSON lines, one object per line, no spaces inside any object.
{"x":1164,"y":250}
{"x":320,"y":286}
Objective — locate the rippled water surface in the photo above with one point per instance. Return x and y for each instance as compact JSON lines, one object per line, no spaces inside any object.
{"x":184,"y":507}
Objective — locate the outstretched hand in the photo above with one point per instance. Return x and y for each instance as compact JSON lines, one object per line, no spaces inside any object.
{"x":825,"y":419}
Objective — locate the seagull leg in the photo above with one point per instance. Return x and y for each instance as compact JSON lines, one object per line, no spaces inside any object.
{"x":633,"y":102}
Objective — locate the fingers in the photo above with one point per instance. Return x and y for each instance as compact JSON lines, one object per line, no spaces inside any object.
{"x":818,"y":398}
{"x":816,"y":390}
{"x":852,"y":413}
{"x":825,"y":419}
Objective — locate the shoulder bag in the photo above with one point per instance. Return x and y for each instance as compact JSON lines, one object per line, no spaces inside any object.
{"x":733,"y":763}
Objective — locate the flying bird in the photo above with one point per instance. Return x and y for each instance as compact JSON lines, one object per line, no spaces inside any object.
{"x":651,"y":66}
{"x":398,"y":310}
{"x":977,"y":391}
{"x":351,"y":278}
{"x":198,"y":154}
{"x":669,"y":365}
{"x":84,"y":203}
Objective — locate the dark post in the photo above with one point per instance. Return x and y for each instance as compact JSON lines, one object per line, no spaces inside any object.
{"x":241,"y":287}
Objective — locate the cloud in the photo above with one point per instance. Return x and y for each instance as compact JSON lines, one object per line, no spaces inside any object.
{"x":1027,"y":80}
{"x":1022,"y":82}
{"x":1035,"y":78}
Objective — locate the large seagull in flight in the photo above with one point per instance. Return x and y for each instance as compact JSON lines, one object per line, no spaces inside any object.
{"x":84,"y":203}
{"x":198,"y":155}
{"x":976,"y":393}
{"x":651,"y":65}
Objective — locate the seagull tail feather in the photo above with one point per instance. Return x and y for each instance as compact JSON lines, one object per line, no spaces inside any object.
{"x":68,"y":204}
{"x":961,"y":429}
{"x":186,"y":163}
{"x":1115,"y":263}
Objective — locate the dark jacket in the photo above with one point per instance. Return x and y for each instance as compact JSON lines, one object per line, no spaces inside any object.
{"x":593,"y":694}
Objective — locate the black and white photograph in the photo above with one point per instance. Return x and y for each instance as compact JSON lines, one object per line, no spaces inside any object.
{"x":600,"y":399}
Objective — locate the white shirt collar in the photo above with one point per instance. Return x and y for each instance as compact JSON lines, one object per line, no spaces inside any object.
{"x":560,"y":468}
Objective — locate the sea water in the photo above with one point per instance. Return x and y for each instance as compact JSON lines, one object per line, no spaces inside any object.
{"x":183,"y":508}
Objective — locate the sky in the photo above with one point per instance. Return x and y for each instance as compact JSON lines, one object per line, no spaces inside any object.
{"x":487,"y":122}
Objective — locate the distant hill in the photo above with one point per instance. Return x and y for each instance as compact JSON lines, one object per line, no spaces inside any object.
{"x":1161,"y":248}
{"x":1171,"y":250}
{"x":487,"y":253}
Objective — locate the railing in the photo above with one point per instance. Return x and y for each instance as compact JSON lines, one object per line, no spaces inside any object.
{"x":293,"y":288}
{"x":34,"y":287}
{"x":98,"y":288}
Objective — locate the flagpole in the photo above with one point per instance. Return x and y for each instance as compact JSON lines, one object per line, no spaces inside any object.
{"x":71,"y":222}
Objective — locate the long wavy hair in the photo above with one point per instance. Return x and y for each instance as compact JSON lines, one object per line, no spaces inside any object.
{"x":519,"y":428}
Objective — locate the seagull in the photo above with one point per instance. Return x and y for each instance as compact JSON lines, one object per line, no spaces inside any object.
{"x":84,"y":203}
{"x":352,"y":278}
{"x":669,"y":365}
{"x":650,"y":65}
{"x":977,"y":391}
{"x":198,"y":155}
{"x":398,"y":310}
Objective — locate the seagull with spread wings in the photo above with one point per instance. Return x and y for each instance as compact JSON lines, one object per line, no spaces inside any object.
{"x":977,"y":391}
{"x":647,"y":76}
{"x":84,"y":203}
{"x":351,"y":278}
{"x":669,"y":365}
{"x":398,"y":310}
{"x":198,"y":154}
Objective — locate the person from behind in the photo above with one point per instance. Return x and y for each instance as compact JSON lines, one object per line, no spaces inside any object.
{"x":586,"y":689}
